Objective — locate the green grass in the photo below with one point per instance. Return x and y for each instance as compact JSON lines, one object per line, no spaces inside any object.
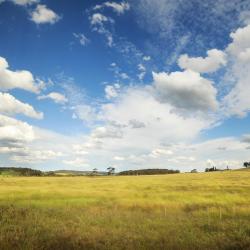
{"x":179,"y":211}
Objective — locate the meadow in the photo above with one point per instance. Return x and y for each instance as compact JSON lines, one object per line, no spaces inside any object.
{"x":178,"y":211}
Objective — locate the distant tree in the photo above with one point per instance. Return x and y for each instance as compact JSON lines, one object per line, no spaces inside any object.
{"x":22,"y":171}
{"x":149,"y":171}
{"x":246,"y":164}
{"x":95,"y":171}
{"x":211,"y":169}
{"x":194,"y":171}
{"x":111,"y":170}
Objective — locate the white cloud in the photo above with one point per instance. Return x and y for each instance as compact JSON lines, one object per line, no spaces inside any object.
{"x":181,"y":43}
{"x":111,"y":92}
{"x":146,"y":58}
{"x":162,"y":17}
{"x":141,"y":67}
{"x":21,"y":79}
{"x":83,"y":40}
{"x":186,"y":90}
{"x":28,"y":155}
{"x":237,"y":101}
{"x":244,"y":56}
{"x":124,"y":76}
{"x":136,"y":124}
{"x":55,"y":96}
{"x":245,"y":17}
{"x":119,"y":8}
{"x":107,"y":132}
{"x":42,"y":15}
{"x":86,"y":113}
{"x":142,"y":70}
{"x":119,"y":158}
{"x":246,"y":138}
{"x":160,"y":152}
{"x":241,"y":41}
{"x":13,"y":131}
{"x":214,"y":60}
{"x":77,"y":162}
{"x":25,"y":2}
{"x":79,"y":150}
{"x":22,"y":2}
{"x":10,"y":105}
{"x":98,"y":18}
{"x":98,"y":21}
{"x":155,"y":121}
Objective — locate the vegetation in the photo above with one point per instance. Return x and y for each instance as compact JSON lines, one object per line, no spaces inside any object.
{"x":149,"y":172}
{"x":20,"y":172}
{"x":111,"y":170}
{"x":212,"y":169}
{"x":177,"y":211}
{"x":246,"y":164}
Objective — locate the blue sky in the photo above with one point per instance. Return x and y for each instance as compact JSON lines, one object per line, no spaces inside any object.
{"x":128,"y":84}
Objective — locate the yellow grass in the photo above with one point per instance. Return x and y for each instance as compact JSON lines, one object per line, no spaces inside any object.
{"x":180,"y":211}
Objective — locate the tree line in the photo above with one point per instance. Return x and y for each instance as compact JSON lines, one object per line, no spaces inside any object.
{"x":149,"y":172}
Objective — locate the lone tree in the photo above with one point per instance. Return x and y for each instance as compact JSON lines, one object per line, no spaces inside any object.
{"x":111,"y":170}
{"x":95,"y":171}
{"x":246,"y":164}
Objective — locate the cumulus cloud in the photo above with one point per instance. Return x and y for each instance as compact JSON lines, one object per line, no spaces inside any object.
{"x":13,"y":131}
{"x":186,"y":90}
{"x":28,"y":155}
{"x":141,"y":123}
{"x":136,"y":124}
{"x":107,"y":132}
{"x":11,"y":106}
{"x":55,"y":96}
{"x":42,"y":14}
{"x":241,"y":41}
{"x":21,"y":79}
{"x":214,"y":60}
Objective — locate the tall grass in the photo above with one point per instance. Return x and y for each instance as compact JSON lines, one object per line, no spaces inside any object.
{"x":182,"y":211}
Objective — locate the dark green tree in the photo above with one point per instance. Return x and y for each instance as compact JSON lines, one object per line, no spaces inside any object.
{"x":246,"y":164}
{"x":111,"y":170}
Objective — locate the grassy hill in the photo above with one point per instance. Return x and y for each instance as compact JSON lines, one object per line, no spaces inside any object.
{"x":177,"y":211}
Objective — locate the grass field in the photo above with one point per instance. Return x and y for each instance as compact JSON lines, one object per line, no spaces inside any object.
{"x":179,"y":211}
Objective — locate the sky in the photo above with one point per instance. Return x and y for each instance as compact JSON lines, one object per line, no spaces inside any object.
{"x":130,"y":84}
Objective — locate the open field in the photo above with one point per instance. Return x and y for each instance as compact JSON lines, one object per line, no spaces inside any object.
{"x":179,"y":211}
